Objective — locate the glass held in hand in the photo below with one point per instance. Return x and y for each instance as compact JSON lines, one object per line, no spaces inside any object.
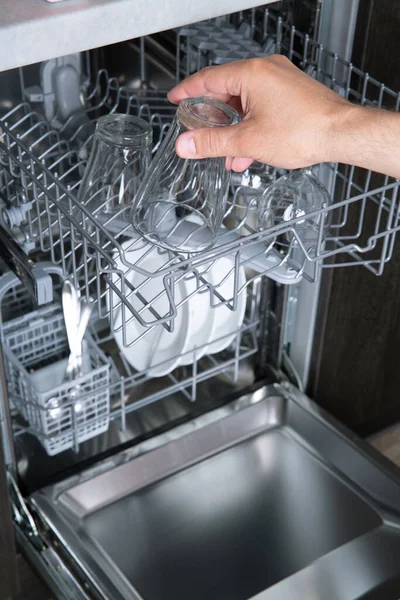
{"x":247,"y":189}
{"x":181,"y":202}
{"x":118,"y":161}
{"x":294,"y":196}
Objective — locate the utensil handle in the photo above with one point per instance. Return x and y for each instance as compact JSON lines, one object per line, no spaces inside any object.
{"x":71,"y":309}
{"x":74,"y":368}
{"x":75,"y":364}
{"x":85,"y":313}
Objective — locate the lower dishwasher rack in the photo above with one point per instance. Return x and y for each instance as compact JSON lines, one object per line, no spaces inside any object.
{"x":265,"y":498}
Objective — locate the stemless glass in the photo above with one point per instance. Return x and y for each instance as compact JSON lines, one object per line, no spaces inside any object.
{"x":247,"y":189}
{"x":292,"y":196}
{"x":119,"y":158}
{"x":181,"y":202}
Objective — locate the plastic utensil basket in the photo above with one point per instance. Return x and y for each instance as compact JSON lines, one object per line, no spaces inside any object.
{"x":38,"y":341}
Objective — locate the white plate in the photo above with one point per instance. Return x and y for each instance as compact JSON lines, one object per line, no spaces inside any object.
{"x":201,"y":322}
{"x":157,"y":347}
{"x":225,"y":320}
{"x":196,"y":324}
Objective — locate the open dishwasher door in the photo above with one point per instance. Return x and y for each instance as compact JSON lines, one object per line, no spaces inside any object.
{"x":264,"y":498}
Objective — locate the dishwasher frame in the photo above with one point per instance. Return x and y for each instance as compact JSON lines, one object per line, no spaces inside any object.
{"x":42,"y":167}
{"x":379,"y":194}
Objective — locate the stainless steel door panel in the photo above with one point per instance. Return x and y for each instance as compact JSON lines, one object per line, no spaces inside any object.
{"x":265,"y":498}
{"x":233,"y":525}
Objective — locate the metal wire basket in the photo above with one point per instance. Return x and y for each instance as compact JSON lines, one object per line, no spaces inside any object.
{"x":61,"y":414}
{"x":43,"y":169}
{"x":35,"y":350}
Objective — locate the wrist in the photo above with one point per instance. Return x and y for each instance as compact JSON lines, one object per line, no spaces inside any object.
{"x":344,"y":132}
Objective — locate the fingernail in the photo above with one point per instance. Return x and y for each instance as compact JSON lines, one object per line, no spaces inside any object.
{"x":185,"y":145}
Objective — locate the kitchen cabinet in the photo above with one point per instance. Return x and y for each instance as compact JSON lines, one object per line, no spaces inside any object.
{"x":36,"y":30}
{"x":356,"y":374}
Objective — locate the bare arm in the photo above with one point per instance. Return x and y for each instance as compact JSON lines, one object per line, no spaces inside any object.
{"x":368,"y":138}
{"x":290,"y":120}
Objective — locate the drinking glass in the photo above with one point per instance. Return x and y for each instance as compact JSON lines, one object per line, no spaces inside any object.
{"x":119,"y":158}
{"x":247,"y":189}
{"x":181,"y":202}
{"x":295,"y":195}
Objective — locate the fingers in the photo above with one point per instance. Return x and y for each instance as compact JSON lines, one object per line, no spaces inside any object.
{"x":228,"y":163}
{"x":235,"y":140}
{"x":222,"y":82}
{"x":236,"y":103}
{"x":240,"y":164}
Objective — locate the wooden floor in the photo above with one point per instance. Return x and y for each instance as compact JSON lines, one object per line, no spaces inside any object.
{"x":388,"y":443}
{"x":32,"y":588}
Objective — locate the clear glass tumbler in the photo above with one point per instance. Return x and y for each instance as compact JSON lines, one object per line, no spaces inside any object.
{"x":181,"y":202}
{"x":295,"y":195}
{"x":120,"y":156}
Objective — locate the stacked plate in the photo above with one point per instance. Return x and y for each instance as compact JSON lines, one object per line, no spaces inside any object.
{"x":198,"y":328}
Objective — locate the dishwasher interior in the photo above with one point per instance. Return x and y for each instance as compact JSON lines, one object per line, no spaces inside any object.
{"x":207,"y":472}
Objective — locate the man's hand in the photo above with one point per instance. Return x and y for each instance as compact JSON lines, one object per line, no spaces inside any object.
{"x":289,"y":120}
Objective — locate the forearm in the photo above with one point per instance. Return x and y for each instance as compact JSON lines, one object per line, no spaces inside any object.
{"x":367,"y":138}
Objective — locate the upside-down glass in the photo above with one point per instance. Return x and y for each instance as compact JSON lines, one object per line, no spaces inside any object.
{"x":247,"y":189}
{"x":181,"y":203}
{"x":119,"y":158}
{"x":295,"y":195}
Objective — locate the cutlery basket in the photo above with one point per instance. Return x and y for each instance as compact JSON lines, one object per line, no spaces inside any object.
{"x":36,"y":351}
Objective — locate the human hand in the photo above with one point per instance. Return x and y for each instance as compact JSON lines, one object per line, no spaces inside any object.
{"x":289,"y":119}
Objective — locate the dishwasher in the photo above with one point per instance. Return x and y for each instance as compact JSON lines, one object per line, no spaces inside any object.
{"x":209,"y":474}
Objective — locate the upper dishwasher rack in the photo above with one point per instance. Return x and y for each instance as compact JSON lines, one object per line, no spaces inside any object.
{"x":43,"y":168}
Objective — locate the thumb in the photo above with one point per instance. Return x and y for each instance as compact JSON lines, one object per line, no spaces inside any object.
{"x":235,"y":140}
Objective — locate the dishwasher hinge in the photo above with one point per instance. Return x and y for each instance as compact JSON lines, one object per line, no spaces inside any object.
{"x":22,"y":515}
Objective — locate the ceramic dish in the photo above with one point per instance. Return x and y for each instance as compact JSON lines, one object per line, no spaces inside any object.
{"x":198,"y":328}
{"x":225,"y":320}
{"x":201,"y":319}
{"x":157,"y":346}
